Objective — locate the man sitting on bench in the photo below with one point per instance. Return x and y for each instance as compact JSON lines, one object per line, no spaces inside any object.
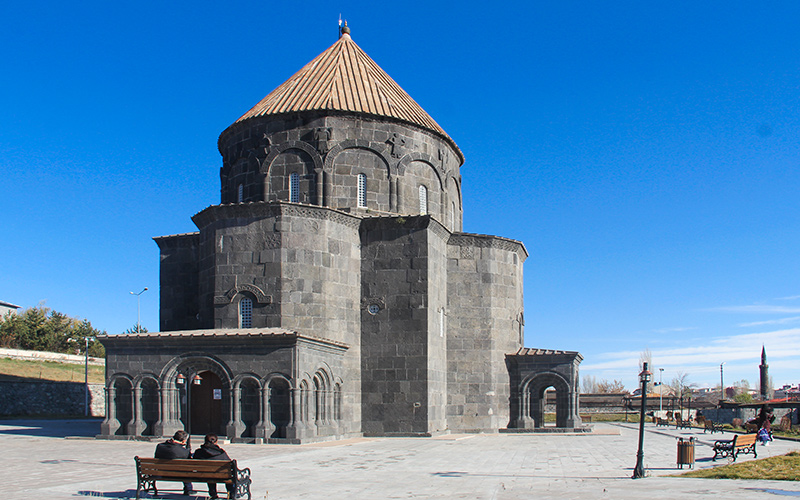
{"x":176,"y":448}
{"x":211,"y":451}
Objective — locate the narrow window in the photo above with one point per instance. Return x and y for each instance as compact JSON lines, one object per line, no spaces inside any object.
{"x":241,"y":193}
{"x":423,"y":200}
{"x":294,"y":187}
{"x":362,"y":191}
{"x":452,"y":218}
{"x":246,"y":313}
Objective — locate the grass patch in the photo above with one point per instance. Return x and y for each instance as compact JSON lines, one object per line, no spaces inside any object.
{"x":780,"y":468}
{"x":19,"y":370}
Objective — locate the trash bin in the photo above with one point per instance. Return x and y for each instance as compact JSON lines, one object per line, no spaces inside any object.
{"x":686,"y":452}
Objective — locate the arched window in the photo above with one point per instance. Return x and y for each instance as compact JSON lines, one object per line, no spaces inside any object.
{"x":423,"y":200}
{"x":246,"y":313}
{"x":241,"y":193}
{"x":362,"y":191}
{"x":294,"y":187}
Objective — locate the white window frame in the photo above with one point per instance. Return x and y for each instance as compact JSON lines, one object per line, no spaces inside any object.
{"x":423,"y":200}
{"x":362,"y":191}
{"x":246,"y":312}
{"x":294,"y":187}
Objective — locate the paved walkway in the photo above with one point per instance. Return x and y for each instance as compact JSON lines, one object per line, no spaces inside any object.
{"x":55,"y":459}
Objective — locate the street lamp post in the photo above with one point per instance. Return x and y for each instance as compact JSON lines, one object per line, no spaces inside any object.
{"x":644,"y":377}
{"x":660,"y":390}
{"x":139,"y":309}
{"x":85,"y":373}
{"x":721,"y":384}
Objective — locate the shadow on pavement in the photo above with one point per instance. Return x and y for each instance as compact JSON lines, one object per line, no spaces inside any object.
{"x":89,"y":427}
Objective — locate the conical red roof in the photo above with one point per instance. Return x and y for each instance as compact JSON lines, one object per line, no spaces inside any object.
{"x":344,"y":78}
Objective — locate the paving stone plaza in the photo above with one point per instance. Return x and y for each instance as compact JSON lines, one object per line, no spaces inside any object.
{"x":59,"y":459}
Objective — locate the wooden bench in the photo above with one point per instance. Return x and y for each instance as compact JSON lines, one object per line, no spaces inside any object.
{"x":682,"y":424}
{"x":741,"y":443}
{"x":150,"y":470}
{"x":712,"y":427}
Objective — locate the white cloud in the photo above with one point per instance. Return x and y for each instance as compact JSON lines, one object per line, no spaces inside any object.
{"x":757,"y":308}
{"x":791,"y":297}
{"x":675,"y":329}
{"x":782,"y":321}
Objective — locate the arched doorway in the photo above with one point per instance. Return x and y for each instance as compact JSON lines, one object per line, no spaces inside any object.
{"x":206,"y":404}
{"x":546,"y":391}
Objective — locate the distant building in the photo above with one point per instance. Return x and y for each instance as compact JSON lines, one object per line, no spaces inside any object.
{"x":7,"y":307}
{"x":787,"y":392}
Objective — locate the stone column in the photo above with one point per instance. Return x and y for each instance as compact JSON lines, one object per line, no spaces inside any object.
{"x":235,"y":426}
{"x":138,"y":426}
{"x":110,"y":425}
{"x":264,"y":428}
{"x":296,"y":427}
{"x":525,"y":408}
{"x":319,"y":176}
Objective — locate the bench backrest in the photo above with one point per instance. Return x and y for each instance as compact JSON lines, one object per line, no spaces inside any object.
{"x":744,"y":440}
{"x":179,"y":469}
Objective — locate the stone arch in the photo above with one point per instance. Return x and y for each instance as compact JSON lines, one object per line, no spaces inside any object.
{"x":344,"y":162}
{"x":533,"y":394}
{"x":147,"y":404}
{"x":119,"y":397}
{"x":292,"y":157}
{"x":278,"y":414}
{"x":453,"y":195}
{"x":415,"y":170}
{"x":247,"y":394}
{"x":174,"y":396}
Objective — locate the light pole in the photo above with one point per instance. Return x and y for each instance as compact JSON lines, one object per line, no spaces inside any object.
{"x":660,"y":390}
{"x":644,"y":377}
{"x":721,"y":384}
{"x":139,"y":309}
{"x":85,"y":374}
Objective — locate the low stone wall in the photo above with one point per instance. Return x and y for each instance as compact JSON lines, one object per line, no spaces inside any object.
{"x":42,"y":398}
{"x":726,"y":415}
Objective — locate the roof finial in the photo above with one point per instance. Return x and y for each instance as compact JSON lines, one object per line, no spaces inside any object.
{"x":343,"y":30}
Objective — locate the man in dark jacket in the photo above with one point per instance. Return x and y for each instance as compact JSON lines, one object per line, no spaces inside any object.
{"x":210,"y":450}
{"x":176,"y":448}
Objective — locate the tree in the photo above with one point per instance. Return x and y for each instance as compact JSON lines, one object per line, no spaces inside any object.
{"x":681,"y":386}
{"x":42,"y":329}
{"x":137,"y":328}
{"x":606,"y":387}
{"x":589,"y":384}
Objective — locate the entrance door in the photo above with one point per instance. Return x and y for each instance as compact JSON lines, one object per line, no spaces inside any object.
{"x":206,"y":412}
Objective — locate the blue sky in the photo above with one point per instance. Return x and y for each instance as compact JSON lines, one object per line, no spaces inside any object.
{"x":646,"y":153}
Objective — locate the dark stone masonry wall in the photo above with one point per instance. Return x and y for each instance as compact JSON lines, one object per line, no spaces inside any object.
{"x":50,"y":398}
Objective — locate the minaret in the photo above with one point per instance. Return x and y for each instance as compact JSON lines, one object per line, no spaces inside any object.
{"x":764,"y":370}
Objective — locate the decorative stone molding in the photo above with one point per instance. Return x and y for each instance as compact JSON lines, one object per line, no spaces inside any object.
{"x":485,"y":241}
{"x":425,"y":158}
{"x":383,"y":153}
{"x":277,"y":150}
{"x":260,"y":296}
{"x":267,"y":209}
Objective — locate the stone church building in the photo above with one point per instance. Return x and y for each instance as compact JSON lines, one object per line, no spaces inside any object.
{"x":332,"y":293}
